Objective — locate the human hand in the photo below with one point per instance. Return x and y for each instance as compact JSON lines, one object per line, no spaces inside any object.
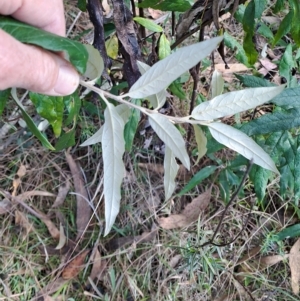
{"x":31,"y":67}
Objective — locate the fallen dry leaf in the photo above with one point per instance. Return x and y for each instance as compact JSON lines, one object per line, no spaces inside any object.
{"x":5,"y":206}
{"x":23,"y":222}
{"x":99,"y":266}
{"x":190,"y":213}
{"x":267,"y":64}
{"x":155,"y":13}
{"x":182,"y":175}
{"x":119,"y":242}
{"x":54,"y":232}
{"x":62,"y":238}
{"x":51,"y":288}
{"x":62,"y":194}
{"x":83,"y":212}
{"x":295,"y":266}
{"x":106,"y":7}
{"x":75,"y":266}
{"x":17,"y":179}
{"x":175,"y":260}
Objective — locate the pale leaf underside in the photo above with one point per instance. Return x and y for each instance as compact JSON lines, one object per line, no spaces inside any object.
{"x":164,"y":72}
{"x":169,"y":134}
{"x":235,"y":102}
{"x":156,"y":100}
{"x":242,"y":144}
{"x":113,"y":148}
{"x":171,"y":168}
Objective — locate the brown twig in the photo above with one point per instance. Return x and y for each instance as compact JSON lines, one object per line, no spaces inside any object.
{"x":233,"y":198}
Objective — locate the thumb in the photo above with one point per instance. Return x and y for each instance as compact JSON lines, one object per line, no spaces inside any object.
{"x":34,"y":69}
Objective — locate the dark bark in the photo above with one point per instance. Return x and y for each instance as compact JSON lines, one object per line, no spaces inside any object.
{"x":206,"y":11}
{"x":127,"y":37}
{"x":95,"y":10}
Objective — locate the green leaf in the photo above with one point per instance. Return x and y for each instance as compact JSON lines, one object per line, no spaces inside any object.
{"x":285,"y":151}
{"x":201,"y":142}
{"x":176,"y":89}
{"x":149,"y":24}
{"x":249,"y":26}
{"x":167,"y":5}
{"x":169,"y":134}
{"x":217,"y":84}
{"x":171,"y":168}
{"x":95,"y":64}
{"x":164,"y":48}
{"x":81,"y":4}
{"x":279,"y":6}
{"x":253,"y":81}
{"x":4,"y":94}
{"x":25,"y":33}
{"x":164,"y":72}
{"x":241,"y":143}
{"x":260,"y":178}
{"x":295,"y":31}
{"x":66,"y":140}
{"x":201,"y":175}
{"x":269,"y":123}
{"x":260,"y":6}
{"x":234,"y":45}
{"x":239,"y":14}
{"x":249,"y":48}
{"x":289,"y":98}
{"x":30,"y":123}
{"x":50,"y":108}
{"x":235,"y":102}
{"x":265,"y":31}
{"x":284,"y":27}
{"x":109,"y":29}
{"x":224,"y":186}
{"x":289,"y":232}
{"x":113,"y":148}
{"x":287,"y":63}
{"x":73,"y":104}
{"x":288,"y":152}
{"x":112,"y":47}
{"x":131,"y":126}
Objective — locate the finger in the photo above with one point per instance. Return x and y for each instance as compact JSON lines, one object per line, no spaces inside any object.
{"x":34,"y":69}
{"x":45,"y":14}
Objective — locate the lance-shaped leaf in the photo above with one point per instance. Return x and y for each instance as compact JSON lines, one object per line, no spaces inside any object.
{"x":235,"y":102}
{"x":30,"y":123}
{"x":25,"y":33}
{"x":95,"y":64}
{"x":164,"y":72}
{"x":242,"y":144}
{"x":171,"y":169}
{"x":169,"y":134}
{"x":164,"y":48}
{"x":217,"y":84}
{"x":156,"y":100}
{"x":149,"y":24}
{"x":113,"y":148}
{"x":123,"y":111}
{"x":201,"y":142}
{"x":50,"y":108}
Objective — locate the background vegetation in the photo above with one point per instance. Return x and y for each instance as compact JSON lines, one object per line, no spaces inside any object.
{"x":230,"y":229}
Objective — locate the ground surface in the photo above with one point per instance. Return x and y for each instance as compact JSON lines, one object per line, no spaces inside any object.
{"x":48,"y":249}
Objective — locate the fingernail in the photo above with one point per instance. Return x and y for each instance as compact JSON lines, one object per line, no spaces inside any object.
{"x":67,"y":81}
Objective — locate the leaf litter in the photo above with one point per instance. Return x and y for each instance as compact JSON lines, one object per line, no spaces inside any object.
{"x":190,"y":213}
{"x":84,"y":211}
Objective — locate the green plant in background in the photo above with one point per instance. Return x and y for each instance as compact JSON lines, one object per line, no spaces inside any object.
{"x":270,"y":132}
